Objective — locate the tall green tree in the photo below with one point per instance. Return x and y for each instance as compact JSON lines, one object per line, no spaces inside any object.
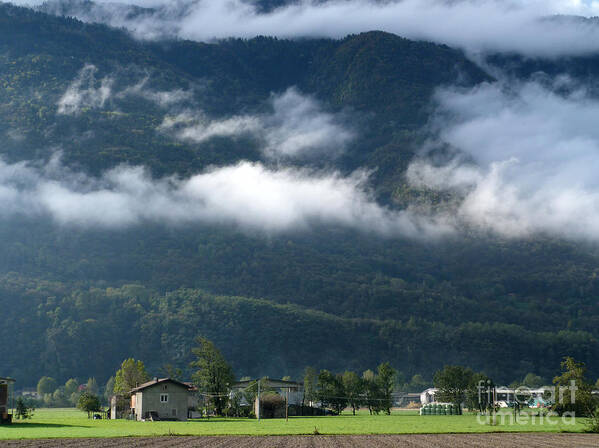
{"x":88,"y":402}
{"x":214,"y":376}
{"x":71,"y":386}
{"x":479,"y":393}
{"x":92,"y":386}
{"x":46,"y":385}
{"x":131,"y":374}
{"x":371,"y":391}
{"x":573,"y":392}
{"x":60,"y":398}
{"x":354,"y":388}
{"x":330,"y":391}
{"x":453,"y":382}
{"x":71,"y":390}
{"x":386,"y":384}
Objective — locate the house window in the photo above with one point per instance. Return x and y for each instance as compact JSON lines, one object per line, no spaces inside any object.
{"x":163,"y":398}
{"x":174,"y":412}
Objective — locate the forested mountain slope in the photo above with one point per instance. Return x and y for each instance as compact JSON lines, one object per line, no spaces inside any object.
{"x":44,"y":54}
{"x":78,"y":297}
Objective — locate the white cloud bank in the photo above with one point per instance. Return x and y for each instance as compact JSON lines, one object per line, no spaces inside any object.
{"x":296,"y":127}
{"x":533,"y":159}
{"x":529,"y":164}
{"x":531,"y":168}
{"x":481,"y":25}
{"x":248,"y":195}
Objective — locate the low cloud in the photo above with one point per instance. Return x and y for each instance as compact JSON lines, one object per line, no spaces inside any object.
{"x":248,"y":195}
{"x":85,"y":92}
{"x":524,"y":26}
{"x":196,"y":127}
{"x":529,"y":158}
{"x":297,"y":127}
{"x":88,"y":92}
{"x":163,"y":98}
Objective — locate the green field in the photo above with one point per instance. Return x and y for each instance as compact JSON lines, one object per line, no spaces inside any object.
{"x":70,"y":423}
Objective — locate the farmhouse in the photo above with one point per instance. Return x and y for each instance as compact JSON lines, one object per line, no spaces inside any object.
{"x":6,"y":404}
{"x":162,"y":399}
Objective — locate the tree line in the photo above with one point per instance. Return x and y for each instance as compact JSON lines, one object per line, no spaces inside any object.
{"x":348,"y":389}
{"x":81,"y":332}
{"x":54,"y":395}
{"x":570,"y":392}
{"x":214,"y":377}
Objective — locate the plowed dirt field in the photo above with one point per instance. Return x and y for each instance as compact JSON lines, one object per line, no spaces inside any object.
{"x":408,"y":441}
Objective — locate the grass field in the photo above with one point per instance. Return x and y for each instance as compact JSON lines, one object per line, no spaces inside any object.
{"x":70,"y":423}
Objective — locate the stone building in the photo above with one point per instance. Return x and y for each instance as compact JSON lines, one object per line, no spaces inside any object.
{"x":162,"y":399}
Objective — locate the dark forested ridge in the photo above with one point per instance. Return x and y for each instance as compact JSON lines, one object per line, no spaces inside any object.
{"x":77,"y":301}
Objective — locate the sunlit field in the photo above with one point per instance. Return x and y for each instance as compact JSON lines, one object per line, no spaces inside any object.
{"x":71,"y":423}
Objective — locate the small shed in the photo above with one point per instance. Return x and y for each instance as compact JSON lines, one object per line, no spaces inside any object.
{"x":278,"y":397}
{"x":6,"y":400}
{"x":294,"y":390}
{"x":161,"y":399}
{"x":429,"y":395}
{"x":407,"y":398}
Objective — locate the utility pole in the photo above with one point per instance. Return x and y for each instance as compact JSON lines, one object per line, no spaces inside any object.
{"x":259,"y":405}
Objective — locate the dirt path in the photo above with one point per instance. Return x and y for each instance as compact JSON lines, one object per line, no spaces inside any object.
{"x":408,"y":441}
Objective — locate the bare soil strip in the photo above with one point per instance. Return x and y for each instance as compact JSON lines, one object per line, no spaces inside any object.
{"x":502,"y":440}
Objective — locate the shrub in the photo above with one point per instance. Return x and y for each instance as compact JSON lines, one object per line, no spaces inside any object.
{"x":23,"y":412}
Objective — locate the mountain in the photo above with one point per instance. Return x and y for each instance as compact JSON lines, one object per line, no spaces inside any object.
{"x":242,"y":74}
{"x":79,"y":99}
